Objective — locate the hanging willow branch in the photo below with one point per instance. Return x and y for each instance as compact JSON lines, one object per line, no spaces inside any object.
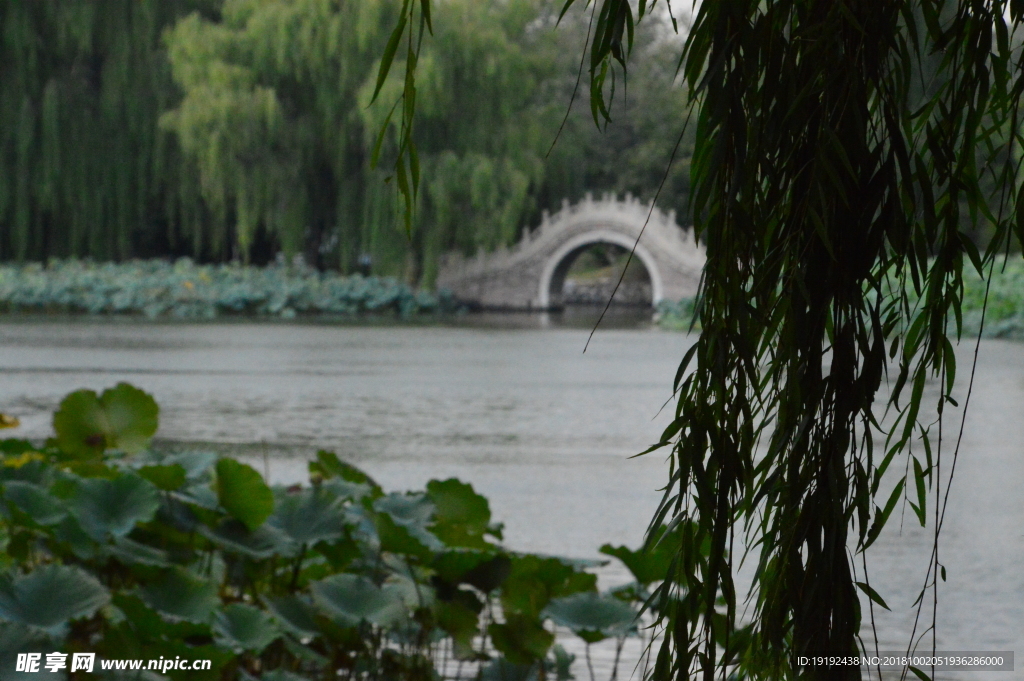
{"x":845,"y":148}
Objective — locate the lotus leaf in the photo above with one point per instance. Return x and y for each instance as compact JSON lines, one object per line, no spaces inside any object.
{"x":328,"y":465}
{"x":294,"y":613}
{"x":198,"y":494}
{"x":351,"y":599}
{"x":412,"y":592}
{"x":69,"y":532}
{"x":146,"y":624}
{"x":50,"y":596}
{"x":521,"y":639}
{"x":181,"y":595}
{"x":131,"y":552}
{"x":403,"y":539}
{"x":461,"y":516}
{"x":26,"y":467}
{"x":345,"y":490}
{"x":591,"y":616}
{"x":166,"y":477}
{"x":244,"y":627}
{"x":650,"y":563}
{"x":534,"y":580}
{"x":409,"y":512}
{"x":113,"y":507}
{"x":19,"y":638}
{"x":563,"y":663}
{"x":196,"y":464}
{"x":452,"y":565}
{"x":309,"y":516}
{"x":123,"y":417}
{"x":233,"y":536}
{"x":243,"y":493}
{"x":305,"y":653}
{"x":461,"y":623}
{"x":363,"y":527}
{"x":177,"y":514}
{"x":489,"y":574}
{"x":35,"y":502}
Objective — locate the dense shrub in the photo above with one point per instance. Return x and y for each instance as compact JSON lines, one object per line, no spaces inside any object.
{"x":110,"y":547}
{"x":156,"y":288}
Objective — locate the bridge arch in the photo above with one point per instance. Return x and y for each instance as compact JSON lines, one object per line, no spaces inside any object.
{"x":553,"y":274}
{"x":522,"y":277}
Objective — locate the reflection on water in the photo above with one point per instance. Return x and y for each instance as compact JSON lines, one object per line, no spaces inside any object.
{"x":511,"y":404}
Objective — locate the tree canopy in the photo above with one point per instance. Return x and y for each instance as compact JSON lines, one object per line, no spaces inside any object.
{"x":82,"y":164}
{"x":236,"y":129}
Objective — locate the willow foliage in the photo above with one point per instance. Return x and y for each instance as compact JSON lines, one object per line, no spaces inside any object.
{"x":277,"y":119}
{"x":827,"y":177}
{"x":482,"y":129}
{"x":81,"y":88}
{"x":269,"y":117}
{"x":236,"y":129}
{"x":844,"y":150}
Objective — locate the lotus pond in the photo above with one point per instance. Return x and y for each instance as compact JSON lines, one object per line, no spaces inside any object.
{"x":114,"y":548}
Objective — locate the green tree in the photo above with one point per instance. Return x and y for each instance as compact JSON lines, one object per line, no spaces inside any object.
{"x":844,"y":152}
{"x":269,"y":118}
{"x":234,"y":130}
{"x":481,"y":132}
{"x":276,"y":119}
{"x":283,"y":117}
{"x":83,"y":168}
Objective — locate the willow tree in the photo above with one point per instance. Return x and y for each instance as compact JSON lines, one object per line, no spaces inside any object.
{"x":482,"y":127}
{"x":276,"y":120}
{"x":834,"y":186}
{"x":83,"y":168}
{"x":280,"y":121}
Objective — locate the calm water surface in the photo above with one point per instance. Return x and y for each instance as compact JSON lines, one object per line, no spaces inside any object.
{"x":534,"y":424}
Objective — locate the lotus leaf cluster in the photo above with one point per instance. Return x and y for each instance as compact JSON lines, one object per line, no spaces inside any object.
{"x":1004,"y":314}
{"x":113,"y":547}
{"x":183,"y":289}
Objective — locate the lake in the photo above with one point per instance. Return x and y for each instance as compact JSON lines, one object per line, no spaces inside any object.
{"x":545,"y":431}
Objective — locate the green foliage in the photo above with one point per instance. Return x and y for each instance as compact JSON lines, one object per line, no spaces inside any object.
{"x":236,"y":129}
{"x":84,"y":170}
{"x":242,"y":492}
{"x":150,"y":555}
{"x":487,"y":92}
{"x":123,"y":418}
{"x":1003,"y":290}
{"x":592,"y":616}
{"x":50,"y":596}
{"x":111,"y":508}
{"x":155,"y":288}
{"x":845,"y":153}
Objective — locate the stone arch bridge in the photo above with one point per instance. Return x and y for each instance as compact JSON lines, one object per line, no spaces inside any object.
{"x":530,"y":275}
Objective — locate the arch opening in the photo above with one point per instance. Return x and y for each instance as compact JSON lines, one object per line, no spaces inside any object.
{"x":557,"y":265}
{"x":588,"y":275}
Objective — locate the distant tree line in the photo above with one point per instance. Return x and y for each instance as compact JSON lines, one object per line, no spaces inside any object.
{"x":240,"y":129}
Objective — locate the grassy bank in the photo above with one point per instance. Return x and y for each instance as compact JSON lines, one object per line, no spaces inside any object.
{"x":183,"y":289}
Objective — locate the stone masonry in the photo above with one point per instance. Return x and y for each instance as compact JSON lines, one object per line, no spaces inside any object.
{"x":530,"y":275}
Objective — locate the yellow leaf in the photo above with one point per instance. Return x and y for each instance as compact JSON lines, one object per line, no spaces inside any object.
{"x":9,"y":421}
